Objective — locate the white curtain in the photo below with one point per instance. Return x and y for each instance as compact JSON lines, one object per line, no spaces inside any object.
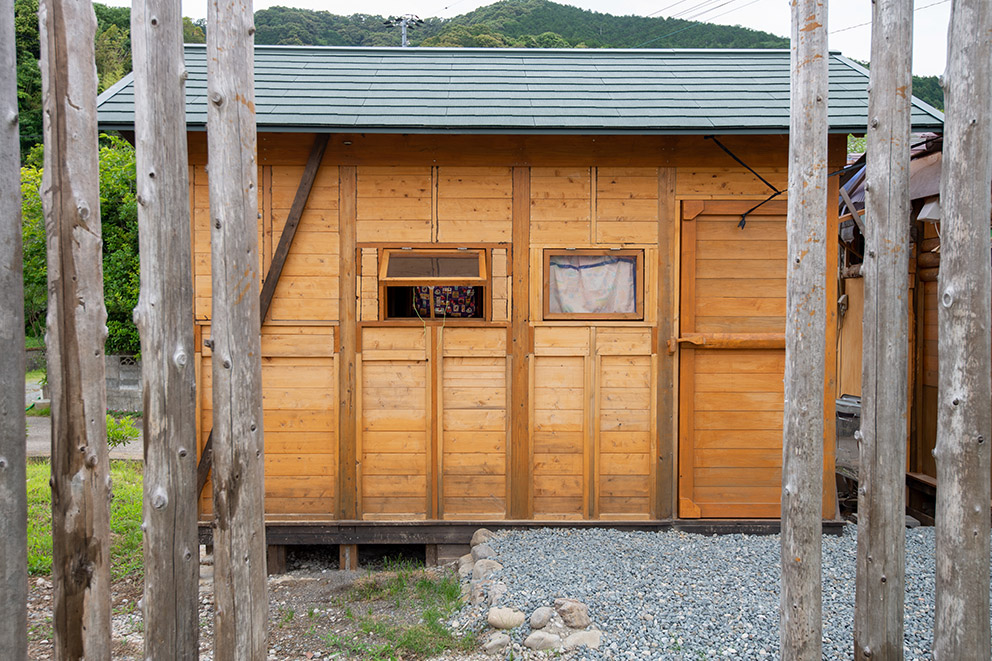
{"x":592,"y":284}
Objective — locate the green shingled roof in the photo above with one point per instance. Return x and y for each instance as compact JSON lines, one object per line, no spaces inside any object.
{"x":460,"y":90}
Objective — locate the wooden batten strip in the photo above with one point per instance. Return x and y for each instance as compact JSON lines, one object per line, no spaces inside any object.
{"x":520,"y":465}
{"x":667,"y":251}
{"x":347,"y":345}
{"x":275,"y":270}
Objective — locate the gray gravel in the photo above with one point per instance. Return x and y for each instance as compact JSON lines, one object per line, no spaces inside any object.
{"x":674,"y":595}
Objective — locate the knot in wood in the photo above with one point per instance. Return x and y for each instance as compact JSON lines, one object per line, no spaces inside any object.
{"x":183,"y":452}
{"x":3,"y":463}
{"x":91,"y":459}
{"x":227,"y":364}
{"x":154,"y":21}
{"x":12,"y":117}
{"x":947,"y":299}
{"x":251,"y":30}
{"x":874,"y":122}
{"x":159,"y":498}
{"x":180,"y":358}
{"x":187,"y":555}
{"x":955,"y":401}
{"x":981,"y":439}
{"x":216,"y":98}
{"x":183,"y":75}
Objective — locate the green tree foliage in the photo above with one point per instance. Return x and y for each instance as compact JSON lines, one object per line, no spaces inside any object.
{"x":119,"y":217}
{"x":927,"y":88}
{"x":194,"y":32}
{"x":28,"y":73}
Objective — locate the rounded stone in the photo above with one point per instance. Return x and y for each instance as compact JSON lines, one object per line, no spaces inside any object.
{"x":540,"y":617}
{"x":481,"y":536}
{"x":540,"y":640}
{"x":590,"y":639}
{"x":505,"y":618}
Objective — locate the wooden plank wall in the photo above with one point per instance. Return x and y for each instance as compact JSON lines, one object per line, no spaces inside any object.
{"x":438,"y":432}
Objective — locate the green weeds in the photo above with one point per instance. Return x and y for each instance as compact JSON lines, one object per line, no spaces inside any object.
{"x":125,"y":518}
{"x":415,"y":628}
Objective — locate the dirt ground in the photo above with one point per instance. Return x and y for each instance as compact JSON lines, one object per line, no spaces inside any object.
{"x":311,"y":609}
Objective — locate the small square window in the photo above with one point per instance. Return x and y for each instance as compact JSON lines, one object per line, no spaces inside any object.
{"x":593,"y":284}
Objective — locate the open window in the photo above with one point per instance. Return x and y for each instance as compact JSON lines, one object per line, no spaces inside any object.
{"x":593,"y":284}
{"x":433,"y":284}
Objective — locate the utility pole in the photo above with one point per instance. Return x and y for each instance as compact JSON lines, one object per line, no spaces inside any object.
{"x":407,"y":21}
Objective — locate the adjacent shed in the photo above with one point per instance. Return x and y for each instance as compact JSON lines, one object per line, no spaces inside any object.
{"x":525,"y":285}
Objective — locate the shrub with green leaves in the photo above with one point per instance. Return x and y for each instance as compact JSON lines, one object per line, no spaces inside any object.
{"x":121,"y":431}
{"x":119,"y":218}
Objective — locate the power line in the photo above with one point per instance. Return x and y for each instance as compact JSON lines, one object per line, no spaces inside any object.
{"x":861,"y":25}
{"x":666,"y":8}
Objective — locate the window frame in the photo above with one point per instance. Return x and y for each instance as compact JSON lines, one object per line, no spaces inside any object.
{"x":484,"y":281}
{"x":636,"y":315}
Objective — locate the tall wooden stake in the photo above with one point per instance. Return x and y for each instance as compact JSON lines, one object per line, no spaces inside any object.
{"x":77,"y":330}
{"x":805,"y":336}
{"x":241,"y":616}
{"x":164,"y":317}
{"x":878,"y":618}
{"x":13,"y":496}
{"x":964,"y":418}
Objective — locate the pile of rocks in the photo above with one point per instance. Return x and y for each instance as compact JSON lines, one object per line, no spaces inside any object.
{"x":563,"y":625}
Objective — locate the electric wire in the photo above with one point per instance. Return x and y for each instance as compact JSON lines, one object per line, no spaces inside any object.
{"x":861,"y":25}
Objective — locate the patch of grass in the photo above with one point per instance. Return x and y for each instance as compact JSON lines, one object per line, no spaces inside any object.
{"x":31,"y":342}
{"x":36,"y":375}
{"x":125,"y":518}
{"x":38,"y":411}
{"x":423,"y":601}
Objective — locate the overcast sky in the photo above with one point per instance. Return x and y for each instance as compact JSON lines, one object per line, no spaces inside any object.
{"x":849,"y":23}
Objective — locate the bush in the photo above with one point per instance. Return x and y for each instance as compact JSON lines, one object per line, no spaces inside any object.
{"x":121,"y":431}
{"x":119,"y":218}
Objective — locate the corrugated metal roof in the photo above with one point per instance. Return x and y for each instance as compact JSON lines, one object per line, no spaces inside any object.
{"x":522,"y":91}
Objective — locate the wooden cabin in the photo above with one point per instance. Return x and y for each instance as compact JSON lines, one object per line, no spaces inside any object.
{"x":526,"y":285}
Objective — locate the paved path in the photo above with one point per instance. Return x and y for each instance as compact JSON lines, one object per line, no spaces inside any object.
{"x":40,"y":430}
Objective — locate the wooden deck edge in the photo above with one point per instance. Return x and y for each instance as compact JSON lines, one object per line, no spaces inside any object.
{"x":460,"y":532}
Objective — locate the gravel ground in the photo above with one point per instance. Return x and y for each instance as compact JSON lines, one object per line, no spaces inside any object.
{"x":674,"y":595}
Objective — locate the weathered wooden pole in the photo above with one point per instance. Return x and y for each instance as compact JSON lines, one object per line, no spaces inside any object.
{"x":879,"y":595}
{"x":13,"y":494}
{"x":240,"y":623}
{"x":77,"y":330}
{"x":805,"y":336}
{"x":964,"y":417}
{"x":164,"y":317}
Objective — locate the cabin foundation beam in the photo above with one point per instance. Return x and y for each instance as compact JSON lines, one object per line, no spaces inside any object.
{"x":454,"y":536}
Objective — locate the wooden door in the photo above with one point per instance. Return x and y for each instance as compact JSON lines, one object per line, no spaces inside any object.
{"x":732,"y":359}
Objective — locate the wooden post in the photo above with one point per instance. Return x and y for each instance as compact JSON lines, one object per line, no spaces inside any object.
{"x":878,"y":618}
{"x":964,"y":290}
{"x":347,"y":338}
{"x":13,"y":497}
{"x":805,"y":336}
{"x":164,"y":318}
{"x":241,"y":618}
{"x":77,"y":330}
{"x":520,"y":450}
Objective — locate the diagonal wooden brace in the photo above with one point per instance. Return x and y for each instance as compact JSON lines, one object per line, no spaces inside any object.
{"x":275,"y":270}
